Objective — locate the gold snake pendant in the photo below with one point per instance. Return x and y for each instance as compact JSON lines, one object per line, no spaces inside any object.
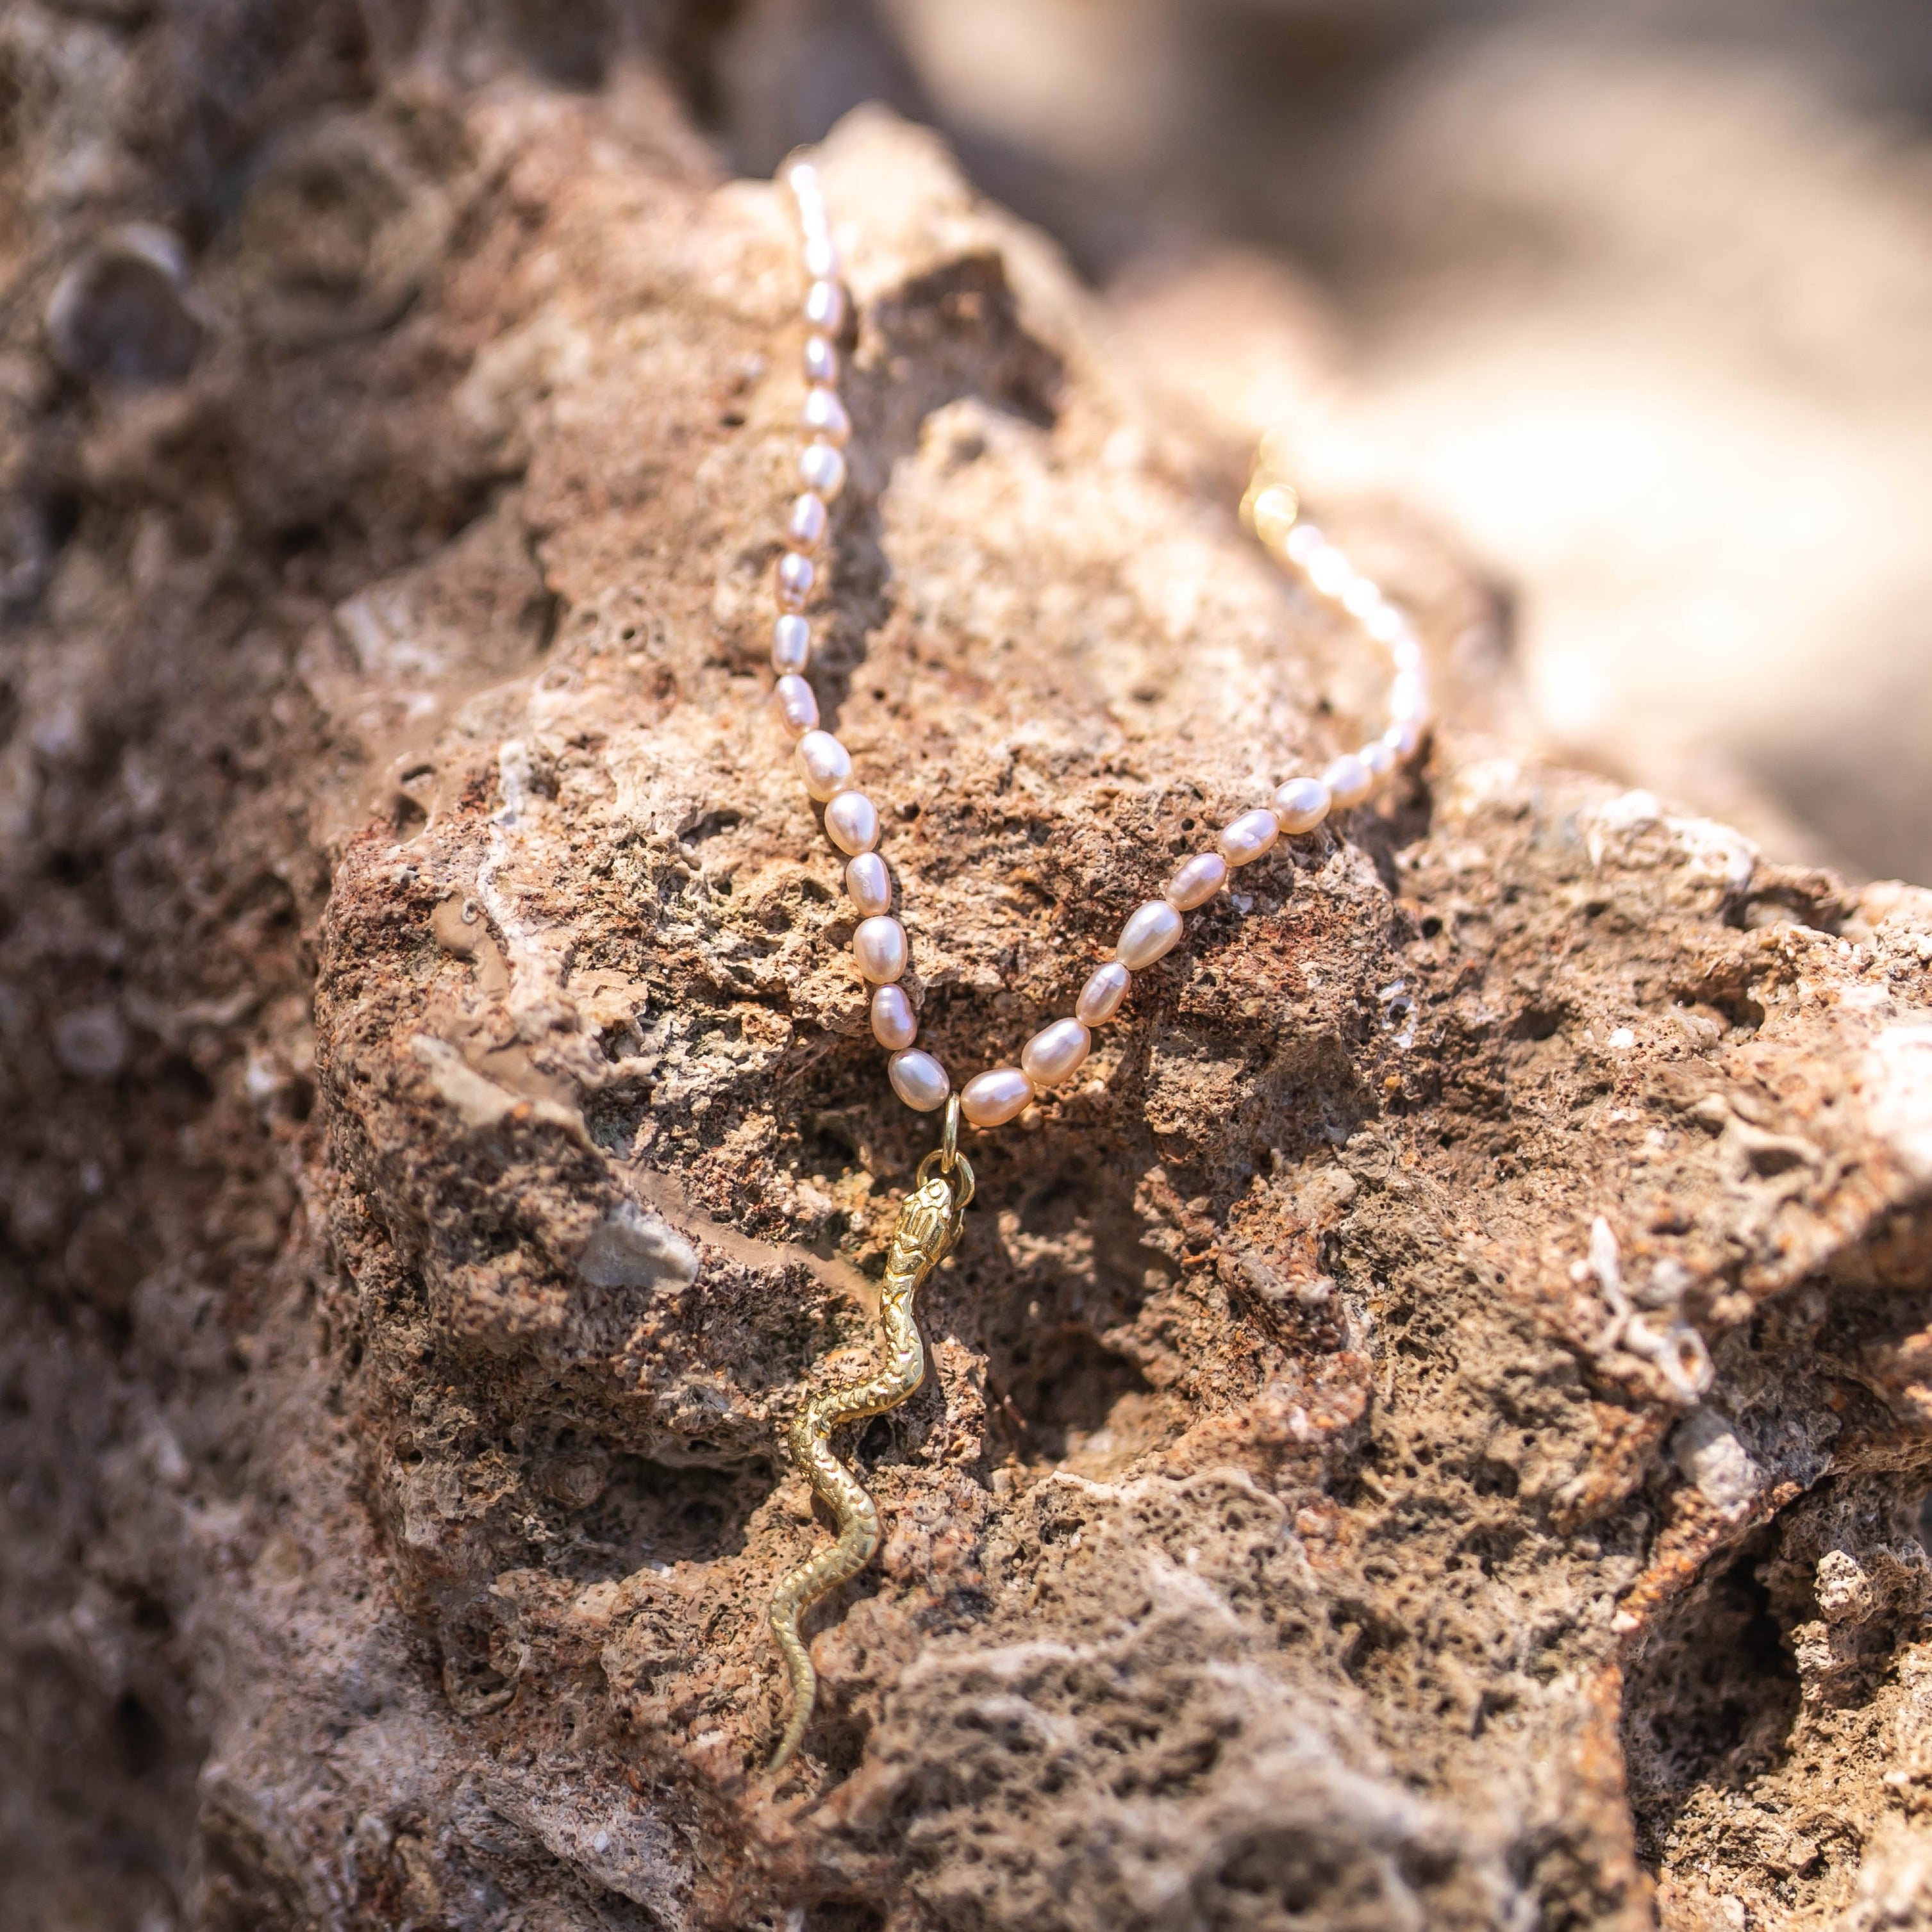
{"x":928,"y":1225}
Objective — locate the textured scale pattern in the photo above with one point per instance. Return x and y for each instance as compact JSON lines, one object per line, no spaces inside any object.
{"x":928,"y":1225}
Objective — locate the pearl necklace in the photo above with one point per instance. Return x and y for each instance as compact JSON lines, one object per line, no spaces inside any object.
{"x":930,"y":1218}
{"x":1056,"y":1052}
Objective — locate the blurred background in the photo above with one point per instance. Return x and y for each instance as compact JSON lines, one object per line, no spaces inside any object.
{"x":1633,"y":301}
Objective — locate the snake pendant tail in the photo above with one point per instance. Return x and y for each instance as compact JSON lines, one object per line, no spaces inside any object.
{"x":928,"y":1225}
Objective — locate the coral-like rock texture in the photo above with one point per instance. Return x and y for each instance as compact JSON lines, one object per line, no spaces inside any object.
{"x":1426,"y":1431}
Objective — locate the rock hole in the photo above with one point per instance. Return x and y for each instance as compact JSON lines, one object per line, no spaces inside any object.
{"x":1709,"y":1699}
{"x":646,"y":1513}
{"x":1071,"y":1398}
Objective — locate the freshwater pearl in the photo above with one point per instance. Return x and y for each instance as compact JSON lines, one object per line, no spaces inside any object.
{"x":824,"y":763}
{"x":852,"y":822}
{"x":991,"y":1099}
{"x":895,"y":1024}
{"x":1404,"y":738}
{"x":797,"y":705}
{"x":1380,"y":761}
{"x":1405,"y":651}
{"x":1149,"y":935}
{"x":791,"y":643}
{"x":1362,"y":599}
{"x":1330,"y":571}
{"x":1348,"y":780}
{"x":1196,"y":881}
{"x":821,"y":360}
{"x":1301,"y":805}
{"x":821,"y":258}
{"x":869,"y":884}
{"x":822,"y":469}
{"x":1246,"y":838}
{"x":1384,"y":624}
{"x":1303,"y":542}
{"x":918,"y":1080}
{"x":824,"y":414}
{"x":1100,"y":998}
{"x":1409,"y":696}
{"x":806,"y":526}
{"x":1055,"y":1052}
{"x":879,"y":945}
{"x":825,"y":307}
{"x":796,"y":575}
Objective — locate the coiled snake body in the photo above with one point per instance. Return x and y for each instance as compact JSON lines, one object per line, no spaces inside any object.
{"x":928,"y":1225}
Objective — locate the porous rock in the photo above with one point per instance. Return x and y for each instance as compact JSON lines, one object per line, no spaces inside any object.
{"x":1425,"y":1431}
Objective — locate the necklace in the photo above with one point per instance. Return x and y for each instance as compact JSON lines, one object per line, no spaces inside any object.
{"x":930,"y":1219}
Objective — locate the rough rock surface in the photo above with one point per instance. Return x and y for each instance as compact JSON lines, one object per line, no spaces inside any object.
{"x":1429,"y":1434}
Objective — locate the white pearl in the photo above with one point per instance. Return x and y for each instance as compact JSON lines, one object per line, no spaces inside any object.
{"x":791,"y":643}
{"x":1385,"y":623}
{"x":806,"y":526}
{"x":1100,"y":998}
{"x":797,"y":705}
{"x":822,"y":469}
{"x":879,"y":945}
{"x":821,"y":360}
{"x":1362,"y":599}
{"x":1378,"y":758}
{"x":1197,"y":880}
{"x":1330,"y":571}
{"x":802,"y":177}
{"x":1304,"y":541}
{"x":1404,"y":738}
{"x":1405,"y":651}
{"x":990,"y":1099}
{"x":825,"y":764}
{"x":1348,"y":780}
{"x":1408,"y":697}
{"x":824,"y":414}
{"x":1301,"y":805}
{"x":895,"y":1024}
{"x":1055,"y":1052}
{"x":918,"y":1080}
{"x":1149,"y":935}
{"x":825,"y":307}
{"x":852,"y":822}
{"x":821,"y":258}
{"x":796,"y":575}
{"x":869,"y":884}
{"x":1246,"y":838}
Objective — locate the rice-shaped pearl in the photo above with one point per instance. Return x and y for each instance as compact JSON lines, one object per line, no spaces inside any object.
{"x":1330,"y":571}
{"x":791,"y":643}
{"x":806,"y":526}
{"x":1196,"y":881}
{"x":821,"y":360}
{"x":825,"y":307}
{"x":822,"y":468}
{"x":918,"y":1080}
{"x":879,"y":945}
{"x":895,"y":1024}
{"x":1244,"y":839}
{"x":1055,"y":1053}
{"x":1348,"y":780}
{"x":824,"y":763}
{"x":1362,"y":599}
{"x":1100,"y":998}
{"x":797,"y":705}
{"x":796,"y":575}
{"x":852,"y":822}
{"x":821,"y":257}
{"x":869,"y":884}
{"x":1149,"y":935}
{"x":1378,"y":758}
{"x":824,"y":414}
{"x":1301,"y":805}
{"x":991,"y":1099}
{"x":1385,"y":623}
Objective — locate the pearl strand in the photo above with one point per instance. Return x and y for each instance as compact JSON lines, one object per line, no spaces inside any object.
{"x":879,"y":946}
